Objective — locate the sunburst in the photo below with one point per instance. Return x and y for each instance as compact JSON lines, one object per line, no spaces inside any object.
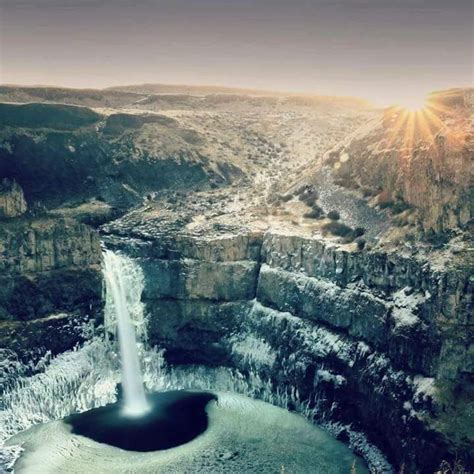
{"x":412,"y":104}
{"x":414,"y":122}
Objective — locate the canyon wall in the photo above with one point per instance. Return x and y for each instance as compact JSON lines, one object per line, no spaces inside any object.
{"x":420,"y":160}
{"x":61,"y":153}
{"x":12,"y":200}
{"x":368,"y":337}
{"x":50,"y":283}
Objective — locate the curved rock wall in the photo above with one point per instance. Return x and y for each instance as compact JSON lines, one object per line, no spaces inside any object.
{"x":364,"y":335}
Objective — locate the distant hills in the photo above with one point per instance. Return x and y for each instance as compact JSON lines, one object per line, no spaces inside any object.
{"x":64,"y":95}
{"x":190,"y":89}
{"x":130,"y":95}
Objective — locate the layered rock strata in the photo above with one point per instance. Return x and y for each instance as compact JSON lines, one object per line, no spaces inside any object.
{"x":50,"y":283}
{"x":367,"y":336}
{"x":12,"y":199}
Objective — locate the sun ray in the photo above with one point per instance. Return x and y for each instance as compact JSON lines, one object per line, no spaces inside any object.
{"x":417,"y":123}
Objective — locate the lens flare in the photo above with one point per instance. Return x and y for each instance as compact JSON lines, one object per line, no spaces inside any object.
{"x":413,"y":104}
{"x":414,"y":121}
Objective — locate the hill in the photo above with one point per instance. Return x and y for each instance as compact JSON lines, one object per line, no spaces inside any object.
{"x":59,"y":117}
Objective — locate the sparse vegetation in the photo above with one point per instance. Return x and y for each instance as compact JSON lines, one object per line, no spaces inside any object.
{"x":399,"y":206}
{"x":360,"y":243}
{"x":337,"y":228}
{"x":309,"y":195}
{"x":367,"y":192}
{"x":315,"y":213}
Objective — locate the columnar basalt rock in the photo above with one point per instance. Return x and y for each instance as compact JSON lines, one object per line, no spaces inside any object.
{"x":50,"y":283}
{"x":195,"y":279}
{"x":44,"y":244}
{"x":12,"y":200}
{"x":426,"y":302}
{"x":370,"y":332}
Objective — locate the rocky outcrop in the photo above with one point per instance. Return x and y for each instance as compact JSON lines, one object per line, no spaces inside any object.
{"x":55,"y":333}
{"x":45,"y":244}
{"x":403,"y":299}
{"x":50,"y":283}
{"x":62,"y":153}
{"x":420,"y":160}
{"x":12,"y":200}
{"x":366,"y":336}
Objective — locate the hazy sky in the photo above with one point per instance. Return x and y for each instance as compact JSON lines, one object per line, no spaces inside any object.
{"x":378,"y":49}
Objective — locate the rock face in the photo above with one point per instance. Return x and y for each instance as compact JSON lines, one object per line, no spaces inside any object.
{"x":61,"y":153}
{"x":50,"y":283}
{"x":366,"y":335}
{"x":421,"y":160}
{"x":12,"y":200}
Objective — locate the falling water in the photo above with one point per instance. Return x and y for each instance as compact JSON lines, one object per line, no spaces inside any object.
{"x":124,"y":287}
{"x":85,"y":378}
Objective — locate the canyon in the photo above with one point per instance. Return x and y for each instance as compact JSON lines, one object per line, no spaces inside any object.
{"x":281,"y":236}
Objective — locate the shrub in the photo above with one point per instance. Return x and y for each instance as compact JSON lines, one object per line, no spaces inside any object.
{"x":399,"y":207}
{"x":366,"y":192}
{"x":315,"y":213}
{"x":308,"y":195}
{"x":334,"y":215}
{"x":346,"y":182}
{"x":348,"y":239}
{"x":384,"y":200}
{"x":400,"y":221}
{"x":302,"y":189}
{"x":385,"y":204}
{"x":337,"y":228}
{"x":360,"y":243}
{"x":358,"y":231}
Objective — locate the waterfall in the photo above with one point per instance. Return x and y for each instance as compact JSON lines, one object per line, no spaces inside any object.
{"x":124,"y":285}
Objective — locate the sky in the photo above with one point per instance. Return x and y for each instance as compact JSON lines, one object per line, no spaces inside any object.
{"x":388,"y":51}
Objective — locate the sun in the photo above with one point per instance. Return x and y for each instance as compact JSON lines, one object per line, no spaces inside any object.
{"x":416,"y":119}
{"x":413,"y":104}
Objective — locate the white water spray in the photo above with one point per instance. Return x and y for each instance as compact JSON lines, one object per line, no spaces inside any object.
{"x":124,"y":285}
